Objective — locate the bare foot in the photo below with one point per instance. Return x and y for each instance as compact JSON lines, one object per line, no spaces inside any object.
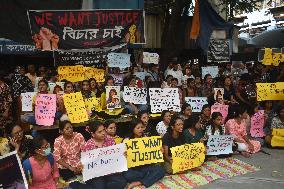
{"x":134,"y":184}
{"x":245,"y":154}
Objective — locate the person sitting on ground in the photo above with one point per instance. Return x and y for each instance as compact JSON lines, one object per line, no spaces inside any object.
{"x":192,"y":132}
{"x":86,"y":90}
{"x":110,"y":127}
{"x":186,"y":111}
{"x":149,"y":130}
{"x":163,"y":125}
{"x":205,"y":117}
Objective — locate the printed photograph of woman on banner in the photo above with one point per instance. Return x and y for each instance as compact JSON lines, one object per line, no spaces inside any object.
{"x":113,"y":97}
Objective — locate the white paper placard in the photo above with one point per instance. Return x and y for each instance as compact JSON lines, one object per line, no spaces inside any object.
{"x":135,"y":95}
{"x":27,"y":101}
{"x":150,"y":58}
{"x":120,"y":60}
{"x":220,"y":144}
{"x":196,"y":103}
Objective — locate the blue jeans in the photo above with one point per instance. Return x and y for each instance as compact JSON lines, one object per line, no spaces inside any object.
{"x":116,"y":181}
{"x":147,"y":174}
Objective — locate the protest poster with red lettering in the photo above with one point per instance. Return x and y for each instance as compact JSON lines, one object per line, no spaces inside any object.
{"x":45,"y":109}
{"x":84,"y":29}
{"x":257,"y":123}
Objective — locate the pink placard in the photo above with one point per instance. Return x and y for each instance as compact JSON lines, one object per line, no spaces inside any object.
{"x":45,"y":109}
{"x":223,"y":109}
{"x":257,"y":123}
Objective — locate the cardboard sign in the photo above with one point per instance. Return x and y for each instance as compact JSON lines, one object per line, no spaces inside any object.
{"x":150,"y":58}
{"x":103,"y":161}
{"x":113,"y":97}
{"x":212,"y":70}
{"x":98,"y":74}
{"x":75,"y":107}
{"x":271,"y":58}
{"x":71,"y":73}
{"x":27,"y":101}
{"x":164,"y":99}
{"x":270,"y":91}
{"x":135,"y":95}
{"x":257,"y":123}
{"x":11,"y":172}
{"x":222,"y":144}
{"x":142,"y":151}
{"x":196,"y":103}
{"x":45,"y":109}
{"x":187,"y":156}
{"x":218,"y":93}
{"x":120,"y":60}
{"x":223,"y":109}
{"x":93,"y":104}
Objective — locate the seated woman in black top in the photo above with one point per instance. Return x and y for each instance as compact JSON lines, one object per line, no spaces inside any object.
{"x":172,"y":138}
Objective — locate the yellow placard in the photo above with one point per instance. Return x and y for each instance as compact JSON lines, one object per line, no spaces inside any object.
{"x":277,"y":141}
{"x":187,"y":156}
{"x":98,"y":74}
{"x":71,"y":73}
{"x":278,"y":132}
{"x":271,"y":58}
{"x":270,"y":91}
{"x":75,"y":107}
{"x":93,"y":104}
{"x":118,"y":140}
{"x":142,"y":151}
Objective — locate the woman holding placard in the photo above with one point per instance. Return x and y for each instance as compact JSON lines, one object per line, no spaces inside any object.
{"x":100,"y":139}
{"x":172,"y":138}
{"x":236,"y":126}
{"x":145,"y":175}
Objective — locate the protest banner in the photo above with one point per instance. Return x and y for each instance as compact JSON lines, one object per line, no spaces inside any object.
{"x":93,"y":104}
{"x":118,"y":140}
{"x":75,"y":107}
{"x":223,"y":109}
{"x":95,"y":57}
{"x":135,"y":95}
{"x":277,"y":138}
{"x":164,"y":99}
{"x":27,"y":101}
{"x":71,"y":73}
{"x":84,"y":29}
{"x":150,"y":58}
{"x":271,"y":58}
{"x":187,"y":156}
{"x":218,"y":93}
{"x":270,"y":91}
{"x":278,"y":132}
{"x":45,"y":109}
{"x":142,"y":151}
{"x":11,"y":172}
{"x":222,"y":144}
{"x":257,"y":124}
{"x":212,"y":70}
{"x":103,"y":161}
{"x":118,"y":60}
{"x":97,"y":74}
{"x":140,"y":75}
{"x":113,"y":97}
{"x":196,"y":103}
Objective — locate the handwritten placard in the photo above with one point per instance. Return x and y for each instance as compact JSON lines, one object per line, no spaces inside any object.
{"x":150,"y":58}
{"x":271,"y":58}
{"x":135,"y":95}
{"x":97,"y":74}
{"x":75,"y":107}
{"x":120,"y":60}
{"x":277,"y":138}
{"x":278,"y":132}
{"x":196,"y":103}
{"x":142,"y":151}
{"x":187,"y":156}
{"x":93,"y":104}
{"x":212,"y":70}
{"x":103,"y":161}
{"x":222,"y":144}
{"x":257,"y":123}
{"x":223,"y":109}
{"x":71,"y":73}
{"x":113,"y":97}
{"x":270,"y":91}
{"x":27,"y":101}
{"x":218,"y":93}
{"x":164,"y":99}
{"x":45,"y":109}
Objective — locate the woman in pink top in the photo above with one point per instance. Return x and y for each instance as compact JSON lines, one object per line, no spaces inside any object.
{"x":236,"y":126}
{"x":44,"y":174}
{"x":67,"y":151}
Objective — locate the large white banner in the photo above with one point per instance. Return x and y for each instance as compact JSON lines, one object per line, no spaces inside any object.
{"x":222,"y":144}
{"x":196,"y":103}
{"x":135,"y":95}
{"x":104,"y":161}
{"x":164,"y":99}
